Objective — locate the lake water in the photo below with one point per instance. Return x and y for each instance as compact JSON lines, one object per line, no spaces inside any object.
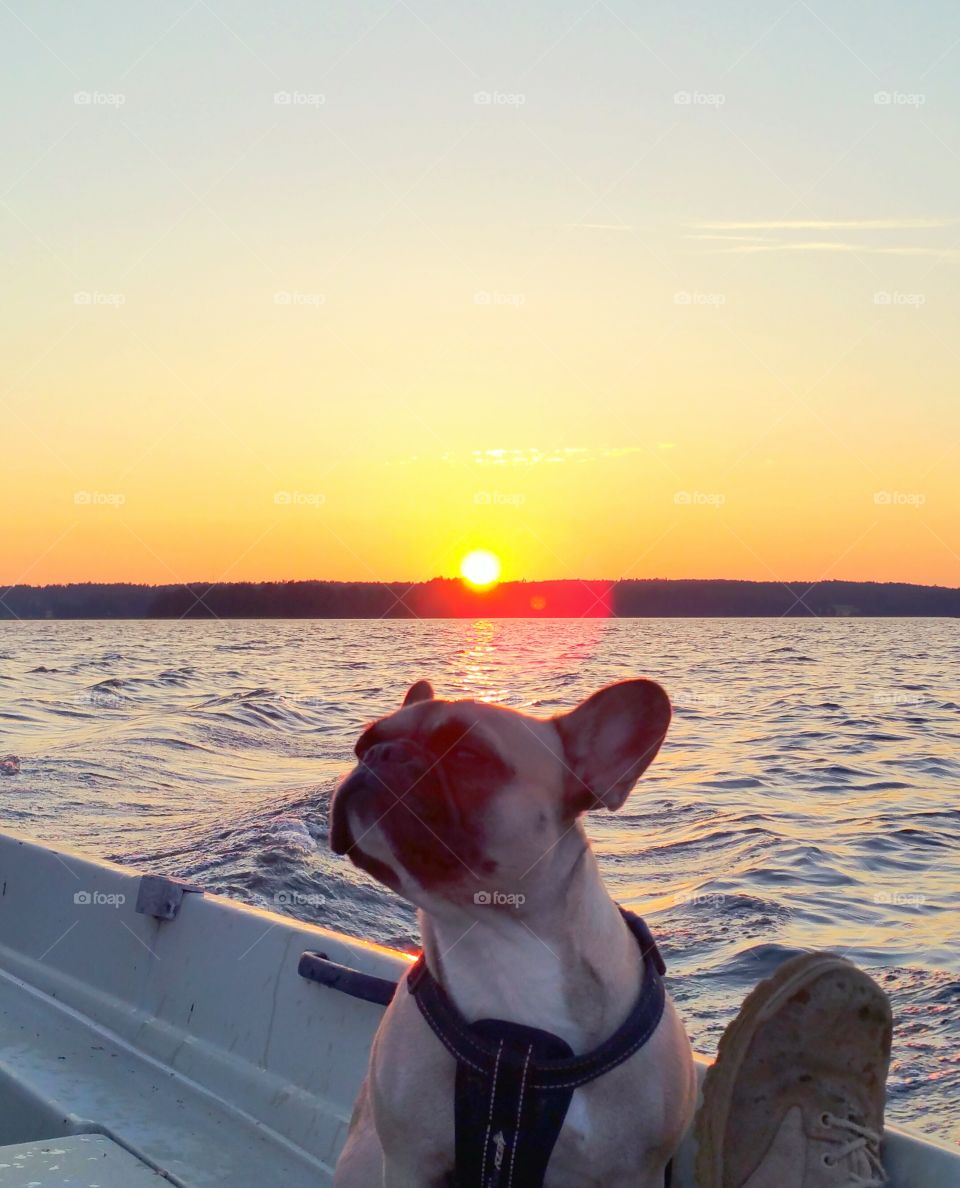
{"x":807,"y":795}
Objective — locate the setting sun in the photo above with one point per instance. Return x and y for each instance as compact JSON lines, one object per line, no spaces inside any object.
{"x":480,"y":568}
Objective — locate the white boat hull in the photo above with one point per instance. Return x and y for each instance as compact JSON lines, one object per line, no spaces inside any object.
{"x":193,"y":1043}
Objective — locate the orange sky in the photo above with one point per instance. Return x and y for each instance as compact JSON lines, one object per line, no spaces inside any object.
{"x":609,"y":305}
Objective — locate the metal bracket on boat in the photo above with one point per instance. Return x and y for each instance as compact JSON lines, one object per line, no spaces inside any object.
{"x":317,"y":967}
{"x":161,"y":897}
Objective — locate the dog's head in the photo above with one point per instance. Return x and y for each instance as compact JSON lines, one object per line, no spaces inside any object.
{"x":461,"y":802}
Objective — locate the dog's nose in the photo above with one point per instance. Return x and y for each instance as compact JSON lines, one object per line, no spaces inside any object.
{"x":400,"y":757}
{"x":386,"y":770}
{"x":385,"y":752}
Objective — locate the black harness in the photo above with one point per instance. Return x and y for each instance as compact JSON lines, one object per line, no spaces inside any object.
{"x":514,"y":1083}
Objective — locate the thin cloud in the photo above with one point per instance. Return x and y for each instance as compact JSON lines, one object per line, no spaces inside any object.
{"x":736,"y":238}
{"x":528,"y":456}
{"x":596,"y":226}
{"x":731,"y":231}
{"x":538,"y":457}
{"x":841,"y":246}
{"x":827,"y":225}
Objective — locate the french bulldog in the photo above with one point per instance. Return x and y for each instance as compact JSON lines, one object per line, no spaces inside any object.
{"x":487,"y":841}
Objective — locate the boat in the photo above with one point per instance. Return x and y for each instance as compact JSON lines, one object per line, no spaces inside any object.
{"x":150,"y":1031}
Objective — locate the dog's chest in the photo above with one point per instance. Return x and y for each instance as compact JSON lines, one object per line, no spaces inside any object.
{"x":587,"y":1152}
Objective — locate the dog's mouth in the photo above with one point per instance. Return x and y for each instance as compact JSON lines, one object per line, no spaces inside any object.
{"x":386,"y":773}
{"x":341,"y":840}
{"x":372,"y":797}
{"x":399,"y":789}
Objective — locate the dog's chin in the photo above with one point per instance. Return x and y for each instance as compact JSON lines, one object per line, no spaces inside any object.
{"x":341,"y":842}
{"x":378,"y":870}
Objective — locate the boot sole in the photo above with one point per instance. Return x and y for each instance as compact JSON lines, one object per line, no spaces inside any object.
{"x":760,"y":1004}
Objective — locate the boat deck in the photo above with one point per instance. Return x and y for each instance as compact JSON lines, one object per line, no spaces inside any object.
{"x":61,"y":1075}
{"x":81,"y":1161}
{"x":190,"y":1050}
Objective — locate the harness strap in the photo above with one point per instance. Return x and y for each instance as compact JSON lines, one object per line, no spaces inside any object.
{"x":514,"y":1083}
{"x":496,"y":1118}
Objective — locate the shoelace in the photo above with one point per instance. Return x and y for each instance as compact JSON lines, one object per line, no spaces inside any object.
{"x":857,"y":1138}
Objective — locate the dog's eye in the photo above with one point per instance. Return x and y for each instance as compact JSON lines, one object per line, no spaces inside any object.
{"x":467,"y":755}
{"x":453,"y":744}
{"x":458,"y":746}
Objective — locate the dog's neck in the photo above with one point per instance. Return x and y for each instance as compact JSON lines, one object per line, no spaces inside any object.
{"x":571,"y":967}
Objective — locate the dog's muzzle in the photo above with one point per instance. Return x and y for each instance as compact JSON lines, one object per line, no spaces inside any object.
{"x":386,"y":772}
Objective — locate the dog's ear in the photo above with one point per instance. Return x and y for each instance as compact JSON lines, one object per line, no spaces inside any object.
{"x":610,"y":739}
{"x":420,"y":691}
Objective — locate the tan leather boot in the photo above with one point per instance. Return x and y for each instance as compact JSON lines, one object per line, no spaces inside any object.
{"x":796,"y":1096}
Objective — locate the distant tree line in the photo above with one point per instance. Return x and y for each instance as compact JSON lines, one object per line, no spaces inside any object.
{"x":447,"y":598}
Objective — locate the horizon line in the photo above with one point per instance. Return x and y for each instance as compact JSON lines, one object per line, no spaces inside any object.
{"x":213,"y":584}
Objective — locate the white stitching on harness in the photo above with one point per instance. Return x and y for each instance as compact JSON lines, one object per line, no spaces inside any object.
{"x":461,"y":1031}
{"x":577,"y":1082}
{"x":493,"y":1095}
{"x":573,"y":1084}
{"x":435,"y":1028}
{"x":516,"y":1129}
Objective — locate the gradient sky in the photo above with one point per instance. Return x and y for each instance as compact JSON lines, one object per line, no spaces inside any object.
{"x":613,"y":292}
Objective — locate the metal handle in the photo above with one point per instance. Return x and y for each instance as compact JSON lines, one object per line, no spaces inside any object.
{"x":317,"y":967}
